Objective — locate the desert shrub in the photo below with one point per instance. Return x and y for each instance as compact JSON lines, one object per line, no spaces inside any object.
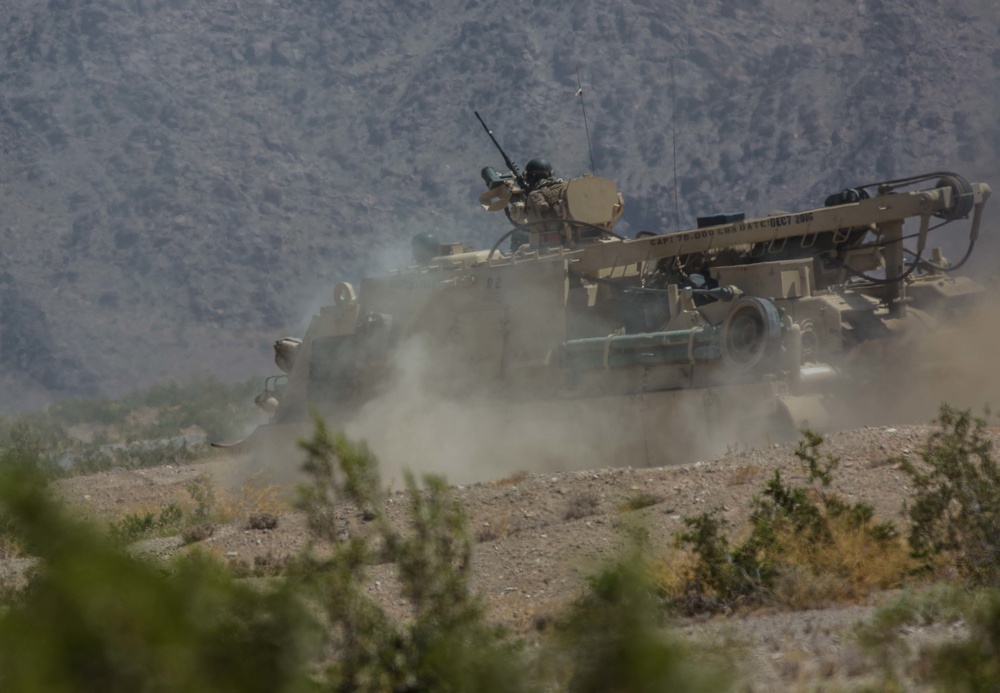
{"x":157,"y":453}
{"x":222,"y":411}
{"x":135,"y":455}
{"x":89,"y":461}
{"x":955,"y":511}
{"x":639,"y":501}
{"x":257,"y":495}
{"x":498,"y":528}
{"x":199,"y":532}
{"x":24,"y":447}
{"x":96,"y":619}
{"x":97,"y":410}
{"x":262,"y":521}
{"x":264,"y":566}
{"x":21,"y":453}
{"x":715,"y":579}
{"x":581,"y":505}
{"x":968,"y":663}
{"x":201,"y":491}
{"x":197,"y":524}
{"x":447,"y":643}
{"x":742,"y":475}
{"x":973,"y":664}
{"x":806,"y":545}
{"x":32,"y":431}
{"x":512,"y":479}
{"x":161,"y":411}
{"x":133,"y":527}
{"x":616,"y":637}
{"x":194,"y":525}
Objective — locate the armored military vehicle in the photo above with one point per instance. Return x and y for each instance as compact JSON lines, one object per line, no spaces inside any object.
{"x":638,"y":348}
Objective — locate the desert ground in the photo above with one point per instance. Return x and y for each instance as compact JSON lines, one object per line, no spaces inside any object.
{"x":538,"y":535}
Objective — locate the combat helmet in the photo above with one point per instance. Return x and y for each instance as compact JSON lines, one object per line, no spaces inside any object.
{"x":537,"y":170}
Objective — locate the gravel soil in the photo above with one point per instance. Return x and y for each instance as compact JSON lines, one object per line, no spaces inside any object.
{"x":539,"y":535}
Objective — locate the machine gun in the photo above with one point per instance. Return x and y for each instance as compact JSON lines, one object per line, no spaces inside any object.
{"x":490,"y":175}
{"x":494,"y":178}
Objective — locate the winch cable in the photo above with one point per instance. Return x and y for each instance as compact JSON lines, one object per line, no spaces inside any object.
{"x":949,"y":268}
{"x":962,"y":193}
{"x":883,"y":244}
{"x":917,"y":257}
{"x":911,"y":180}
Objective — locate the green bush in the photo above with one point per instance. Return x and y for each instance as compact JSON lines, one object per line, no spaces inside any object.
{"x":22,"y":452}
{"x":447,"y":643}
{"x":98,"y":410}
{"x":222,"y":411}
{"x":135,"y":526}
{"x":956,"y":507}
{"x":616,"y":638}
{"x":142,"y":429}
{"x":136,"y":455}
{"x":639,"y":501}
{"x":581,"y":505}
{"x":96,"y":619}
{"x":52,"y":435}
{"x":25,"y":448}
{"x":797,"y":534}
{"x":974,"y":663}
{"x":90,"y":461}
{"x":163,"y":410}
{"x":192,"y":526}
{"x":971,"y":663}
{"x":203,"y":495}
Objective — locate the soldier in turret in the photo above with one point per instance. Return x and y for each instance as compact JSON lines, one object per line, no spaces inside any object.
{"x":540,"y":201}
{"x":534,"y":203}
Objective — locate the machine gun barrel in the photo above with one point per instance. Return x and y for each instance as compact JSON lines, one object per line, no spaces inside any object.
{"x":511,"y":166}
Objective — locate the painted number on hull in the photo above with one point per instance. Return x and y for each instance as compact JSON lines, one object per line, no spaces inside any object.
{"x":493,"y":282}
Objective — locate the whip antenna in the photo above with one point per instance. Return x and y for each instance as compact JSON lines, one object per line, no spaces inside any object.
{"x":673,"y":131}
{"x":586,"y":127}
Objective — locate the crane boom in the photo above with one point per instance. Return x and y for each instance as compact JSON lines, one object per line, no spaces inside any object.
{"x":885,"y":212}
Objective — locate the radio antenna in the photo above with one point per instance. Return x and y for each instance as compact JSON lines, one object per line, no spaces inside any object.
{"x":586,"y":126}
{"x":673,"y":132}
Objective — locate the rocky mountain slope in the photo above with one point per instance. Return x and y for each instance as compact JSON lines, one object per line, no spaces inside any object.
{"x":183,"y":182}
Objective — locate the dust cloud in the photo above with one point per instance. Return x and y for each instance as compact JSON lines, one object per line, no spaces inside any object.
{"x":429,"y":416}
{"x":453,"y":424}
{"x":433,"y":416}
{"x":463,"y":429}
{"x":956,"y":359}
{"x":957,"y":365}
{"x":467,"y":432}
